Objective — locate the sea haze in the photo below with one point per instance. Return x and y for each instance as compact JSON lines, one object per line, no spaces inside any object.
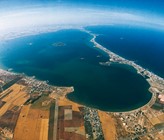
{"x":68,"y":58}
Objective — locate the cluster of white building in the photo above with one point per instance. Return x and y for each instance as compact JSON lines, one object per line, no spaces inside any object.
{"x":161,"y":98}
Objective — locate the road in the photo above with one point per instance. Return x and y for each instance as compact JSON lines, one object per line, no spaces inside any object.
{"x":55,"y":120}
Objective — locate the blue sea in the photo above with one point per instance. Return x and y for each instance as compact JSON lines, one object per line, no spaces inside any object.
{"x":76,"y":63}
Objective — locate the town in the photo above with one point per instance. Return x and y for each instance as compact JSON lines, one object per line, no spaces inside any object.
{"x":34,"y":109}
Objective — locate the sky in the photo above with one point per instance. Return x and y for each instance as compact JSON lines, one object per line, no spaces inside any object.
{"x":155,"y":6}
{"x":21,"y":17}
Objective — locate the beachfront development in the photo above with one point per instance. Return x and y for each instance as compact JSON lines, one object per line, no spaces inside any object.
{"x":156,"y":82}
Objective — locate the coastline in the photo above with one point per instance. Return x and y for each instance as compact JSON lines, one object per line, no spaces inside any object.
{"x":5,"y":36}
{"x":152,"y":78}
{"x":109,"y":123}
{"x":66,"y":98}
{"x":118,"y":59}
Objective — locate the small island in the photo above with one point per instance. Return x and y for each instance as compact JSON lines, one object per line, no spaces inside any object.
{"x":58,"y":44}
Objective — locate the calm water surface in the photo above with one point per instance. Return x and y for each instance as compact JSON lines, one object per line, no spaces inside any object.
{"x":114,"y":88}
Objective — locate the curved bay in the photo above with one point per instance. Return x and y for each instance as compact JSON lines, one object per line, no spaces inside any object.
{"x":114,"y":88}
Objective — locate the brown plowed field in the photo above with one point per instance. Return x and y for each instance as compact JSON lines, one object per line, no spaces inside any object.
{"x":77,"y":131}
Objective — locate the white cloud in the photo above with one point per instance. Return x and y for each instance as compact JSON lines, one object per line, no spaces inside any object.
{"x":37,"y":19}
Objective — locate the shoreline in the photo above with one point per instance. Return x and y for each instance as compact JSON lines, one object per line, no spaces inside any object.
{"x":36,"y":31}
{"x":71,"y":92}
{"x":72,"y":87}
{"x":115,"y":58}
